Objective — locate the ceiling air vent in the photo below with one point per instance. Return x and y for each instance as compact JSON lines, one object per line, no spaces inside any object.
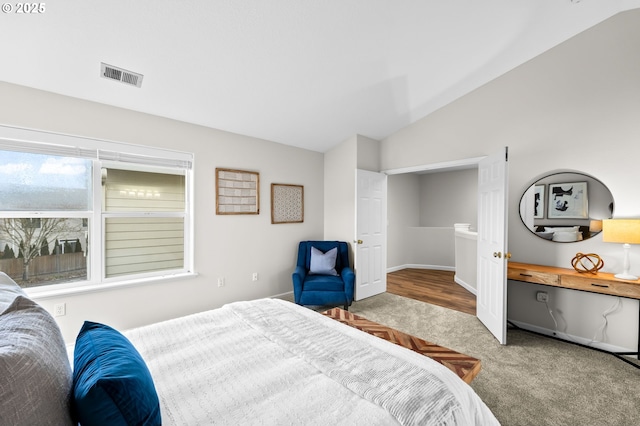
{"x":121,"y":75}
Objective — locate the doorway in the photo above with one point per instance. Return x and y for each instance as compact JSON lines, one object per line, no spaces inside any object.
{"x":423,"y":206}
{"x":490,"y":211}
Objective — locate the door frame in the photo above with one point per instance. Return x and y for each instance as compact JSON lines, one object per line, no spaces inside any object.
{"x":443,"y":166}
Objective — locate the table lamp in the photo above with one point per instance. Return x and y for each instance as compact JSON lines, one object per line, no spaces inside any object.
{"x":595,"y":226}
{"x":625,"y":231}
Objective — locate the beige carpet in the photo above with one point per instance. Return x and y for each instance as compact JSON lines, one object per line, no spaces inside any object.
{"x":533,"y":380}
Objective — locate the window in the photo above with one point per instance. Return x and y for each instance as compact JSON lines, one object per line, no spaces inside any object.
{"x":143,"y":221}
{"x":101,"y":214}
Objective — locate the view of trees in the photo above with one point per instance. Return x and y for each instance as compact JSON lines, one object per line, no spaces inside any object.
{"x":32,"y":237}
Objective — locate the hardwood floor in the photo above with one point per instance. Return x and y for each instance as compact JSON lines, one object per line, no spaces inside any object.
{"x":435,"y":287}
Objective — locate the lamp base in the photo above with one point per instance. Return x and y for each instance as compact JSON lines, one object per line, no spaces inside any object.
{"x":626,"y":276}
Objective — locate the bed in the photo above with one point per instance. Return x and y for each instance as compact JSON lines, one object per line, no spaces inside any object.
{"x":266,"y":361}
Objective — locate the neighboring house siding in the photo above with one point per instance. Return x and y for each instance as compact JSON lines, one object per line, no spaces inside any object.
{"x":137,"y":245}
{"x":143,"y":244}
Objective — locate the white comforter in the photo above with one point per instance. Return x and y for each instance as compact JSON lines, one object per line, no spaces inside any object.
{"x":272,"y":362}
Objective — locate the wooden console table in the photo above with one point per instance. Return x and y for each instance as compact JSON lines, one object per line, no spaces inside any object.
{"x":601,"y":282}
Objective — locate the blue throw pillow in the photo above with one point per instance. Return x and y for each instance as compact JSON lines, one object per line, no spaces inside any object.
{"x":111,"y":382}
{"x":323,"y":263}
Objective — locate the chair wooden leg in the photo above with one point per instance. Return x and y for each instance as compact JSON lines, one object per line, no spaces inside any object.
{"x":346,"y":307}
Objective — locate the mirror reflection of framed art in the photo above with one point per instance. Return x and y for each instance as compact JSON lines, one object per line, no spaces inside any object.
{"x":538,"y":207}
{"x":568,"y":200}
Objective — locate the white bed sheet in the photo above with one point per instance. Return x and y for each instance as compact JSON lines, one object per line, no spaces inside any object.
{"x":273,"y":362}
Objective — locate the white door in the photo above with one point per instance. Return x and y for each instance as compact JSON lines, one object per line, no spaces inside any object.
{"x":491,"y":298}
{"x":370,"y":245}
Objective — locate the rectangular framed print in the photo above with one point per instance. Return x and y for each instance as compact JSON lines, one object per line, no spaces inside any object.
{"x":287,"y":203}
{"x":568,"y":200}
{"x":538,"y":202}
{"x":237,"y":192}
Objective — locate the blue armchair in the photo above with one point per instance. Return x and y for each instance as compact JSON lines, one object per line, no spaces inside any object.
{"x":323,"y":285}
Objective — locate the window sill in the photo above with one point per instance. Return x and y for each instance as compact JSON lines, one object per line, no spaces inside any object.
{"x":39,"y":294}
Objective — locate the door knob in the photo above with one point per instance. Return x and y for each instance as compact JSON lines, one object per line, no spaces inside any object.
{"x":497,"y":254}
{"x":507,"y":255}
{"x":357,"y":241}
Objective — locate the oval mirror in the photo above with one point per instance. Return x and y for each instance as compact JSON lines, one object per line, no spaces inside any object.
{"x":566,"y":207}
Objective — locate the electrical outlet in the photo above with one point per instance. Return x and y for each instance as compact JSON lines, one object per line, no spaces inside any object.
{"x":220,"y":281}
{"x":542,"y":296}
{"x":255,"y":276}
{"x":59,"y":309}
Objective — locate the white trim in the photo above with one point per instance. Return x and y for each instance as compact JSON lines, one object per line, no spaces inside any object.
{"x":47,"y":214}
{"x":89,"y":146}
{"x":96,"y":235}
{"x":466,"y":163}
{"x":31,"y":147}
{"x":137,"y":160}
{"x":421,"y":266}
{"x":464,"y":285}
{"x":110,"y":164}
{"x":189,"y":220}
{"x":281,"y":295}
{"x":36,"y":295}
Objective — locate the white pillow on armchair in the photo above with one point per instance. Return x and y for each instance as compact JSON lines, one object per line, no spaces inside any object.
{"x":323,"y":263}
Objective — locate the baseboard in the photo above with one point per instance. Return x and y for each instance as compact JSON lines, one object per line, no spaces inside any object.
{"x":464,"y":285}
{"x":421,"y":266}
{"x":281,"y":295}
{"x":571,"y":338}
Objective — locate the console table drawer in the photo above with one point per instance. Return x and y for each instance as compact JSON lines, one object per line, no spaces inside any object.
{"x":595,"y":285}
{"x":533,"y":276}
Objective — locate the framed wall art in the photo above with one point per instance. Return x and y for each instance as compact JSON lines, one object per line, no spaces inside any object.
{"x":237,"y":192}
{"x":538,"y":202}
{"x":287,"y":203}
{"x":568,"y":200}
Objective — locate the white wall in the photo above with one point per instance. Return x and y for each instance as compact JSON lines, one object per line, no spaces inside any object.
{"x":340,"y":164}
{"x":368,"y":153}
{"x":449,"y":197}
{"x":403,"y":214}
{"x":225,"y":246}
{"x":574,"y":107}
{"x":339,"y":198}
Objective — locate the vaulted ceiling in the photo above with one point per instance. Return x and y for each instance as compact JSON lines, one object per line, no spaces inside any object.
{"x":307,"y":73}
